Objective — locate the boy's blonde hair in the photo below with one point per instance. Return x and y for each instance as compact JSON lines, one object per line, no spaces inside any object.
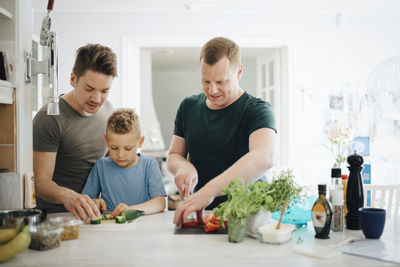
{"x":123,"y":121}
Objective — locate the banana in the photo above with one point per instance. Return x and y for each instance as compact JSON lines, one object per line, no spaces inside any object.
{"x":7,"y":234}
{"x":19,"y":243}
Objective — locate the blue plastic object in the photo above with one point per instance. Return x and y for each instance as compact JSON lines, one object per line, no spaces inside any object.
{"x":298,"y":214}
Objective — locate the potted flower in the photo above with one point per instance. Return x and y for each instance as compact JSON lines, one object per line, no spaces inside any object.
{"x":340,"y":142}
{"x":235,"y":210}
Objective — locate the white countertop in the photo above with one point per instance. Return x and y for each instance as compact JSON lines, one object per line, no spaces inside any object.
{"x":149,"y":241}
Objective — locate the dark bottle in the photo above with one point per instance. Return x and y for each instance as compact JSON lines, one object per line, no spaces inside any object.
{"x":355,"y":193}
{"x":322,"y":214}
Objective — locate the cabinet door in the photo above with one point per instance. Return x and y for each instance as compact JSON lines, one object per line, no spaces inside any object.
{"x":23,"y":91}
{"x":7,"y":138}
{"x":16,"y":118}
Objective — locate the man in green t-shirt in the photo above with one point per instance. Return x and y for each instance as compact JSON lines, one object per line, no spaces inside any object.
{"x":225,"y":132}
{"x":66,"y":146}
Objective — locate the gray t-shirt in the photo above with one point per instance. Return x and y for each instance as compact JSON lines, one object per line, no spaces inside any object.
{"x":78,"y":141}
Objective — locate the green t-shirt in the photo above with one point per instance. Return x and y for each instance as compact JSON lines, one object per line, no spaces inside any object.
{"x":216,"y":139}
{"x":78,"y":141}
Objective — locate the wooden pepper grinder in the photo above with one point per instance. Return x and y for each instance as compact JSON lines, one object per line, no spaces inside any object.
{"x":355,"y":193}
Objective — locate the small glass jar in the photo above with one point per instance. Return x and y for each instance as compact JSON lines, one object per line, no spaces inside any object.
{"x":236,"y":229}
{"x":45,"y":236}
{"x":70,"y":225}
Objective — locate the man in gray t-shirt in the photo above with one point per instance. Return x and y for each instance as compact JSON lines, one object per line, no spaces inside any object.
{"x":66,"y":146}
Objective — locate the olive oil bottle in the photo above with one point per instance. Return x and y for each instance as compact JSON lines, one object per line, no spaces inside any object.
{"x":322,"y":214}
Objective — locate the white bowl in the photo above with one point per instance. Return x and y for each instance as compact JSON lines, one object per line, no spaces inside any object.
{"x":268,"y":234}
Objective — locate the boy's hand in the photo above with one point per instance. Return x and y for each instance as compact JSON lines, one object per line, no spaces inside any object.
{"x":119,"y":209}
{"x":100,"y":204}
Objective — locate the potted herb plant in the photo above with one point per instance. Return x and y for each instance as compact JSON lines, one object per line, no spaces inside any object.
{"x":249,"y":207}
{"x":267,"y":198}
{"x":235,"y":210}
{"x":260,"y":207}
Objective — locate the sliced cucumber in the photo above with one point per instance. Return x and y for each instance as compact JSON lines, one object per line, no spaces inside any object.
{"x":132,"y":214}
{"x":107,"y":216}
{"x":97,"y":221}
{"x":120,"y":219}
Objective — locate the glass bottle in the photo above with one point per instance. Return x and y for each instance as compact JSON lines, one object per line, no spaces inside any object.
{"x":322,"y":214}
{"x":336,"y":197}
{"x":345,"y":179}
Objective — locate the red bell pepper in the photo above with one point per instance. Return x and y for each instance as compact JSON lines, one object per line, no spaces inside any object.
{"x":211,"y":223}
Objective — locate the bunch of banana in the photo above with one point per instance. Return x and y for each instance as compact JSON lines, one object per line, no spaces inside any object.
{"x":13,"y":241}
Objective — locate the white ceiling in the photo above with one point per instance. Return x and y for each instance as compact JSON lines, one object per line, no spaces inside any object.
{"x":227,"y":6}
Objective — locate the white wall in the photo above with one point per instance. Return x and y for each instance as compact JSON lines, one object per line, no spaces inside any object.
{"x":322,"y":52}
{"x":170,"y":87}
{"x":248,"y":82}
{"x":149,"y":122}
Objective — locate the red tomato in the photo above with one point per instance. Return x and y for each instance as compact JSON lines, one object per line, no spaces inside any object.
{"x":194,"y":223}
{"x":209,"y":217}
{"x":211,"y":223}
{"x":211,"y":227}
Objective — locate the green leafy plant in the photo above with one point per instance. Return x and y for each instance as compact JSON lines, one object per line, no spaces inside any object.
{"x":261,"y":196}
{"x":284,"y":189}
{"x":245,"y":200}
{"x":237,"y":205}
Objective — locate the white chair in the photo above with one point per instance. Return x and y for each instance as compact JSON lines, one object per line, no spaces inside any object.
{"x":384,"y":197}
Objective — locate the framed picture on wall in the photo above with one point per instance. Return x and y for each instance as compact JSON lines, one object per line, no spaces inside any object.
{"x":336,"y":102}
{"x":361,"y":145}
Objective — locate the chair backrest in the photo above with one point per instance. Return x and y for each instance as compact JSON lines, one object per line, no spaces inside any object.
{"x":384,"y":197}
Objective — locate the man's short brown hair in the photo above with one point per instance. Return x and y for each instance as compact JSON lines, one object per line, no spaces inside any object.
{"x":97,"y":58}
{"x":123,"y":121}
{"x":220,"y":47}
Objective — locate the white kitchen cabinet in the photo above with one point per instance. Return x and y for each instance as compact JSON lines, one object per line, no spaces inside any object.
{"x":15,"y":96}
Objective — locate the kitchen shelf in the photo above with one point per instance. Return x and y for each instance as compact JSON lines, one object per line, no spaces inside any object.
{"x":5,"y":14}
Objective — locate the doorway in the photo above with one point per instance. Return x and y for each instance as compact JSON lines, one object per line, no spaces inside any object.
{"x":168,"y":69}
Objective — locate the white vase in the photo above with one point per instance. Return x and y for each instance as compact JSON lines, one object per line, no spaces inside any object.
{"x":254,"y":221}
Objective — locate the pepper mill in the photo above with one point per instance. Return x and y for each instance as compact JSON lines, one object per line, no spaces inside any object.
{"x":354,"y":194}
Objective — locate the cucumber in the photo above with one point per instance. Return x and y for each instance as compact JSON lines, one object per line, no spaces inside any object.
{"x":132,"y":214}
{"x":19,"y":243}
{"x":120,"y":219}
{"x":107,"y":216}
{"x":97,"y":221}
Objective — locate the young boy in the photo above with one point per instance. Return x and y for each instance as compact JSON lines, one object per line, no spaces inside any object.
{"x":125,"y":180}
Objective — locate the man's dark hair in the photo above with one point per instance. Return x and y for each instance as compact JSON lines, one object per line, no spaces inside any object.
{"x":97,"y":58}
